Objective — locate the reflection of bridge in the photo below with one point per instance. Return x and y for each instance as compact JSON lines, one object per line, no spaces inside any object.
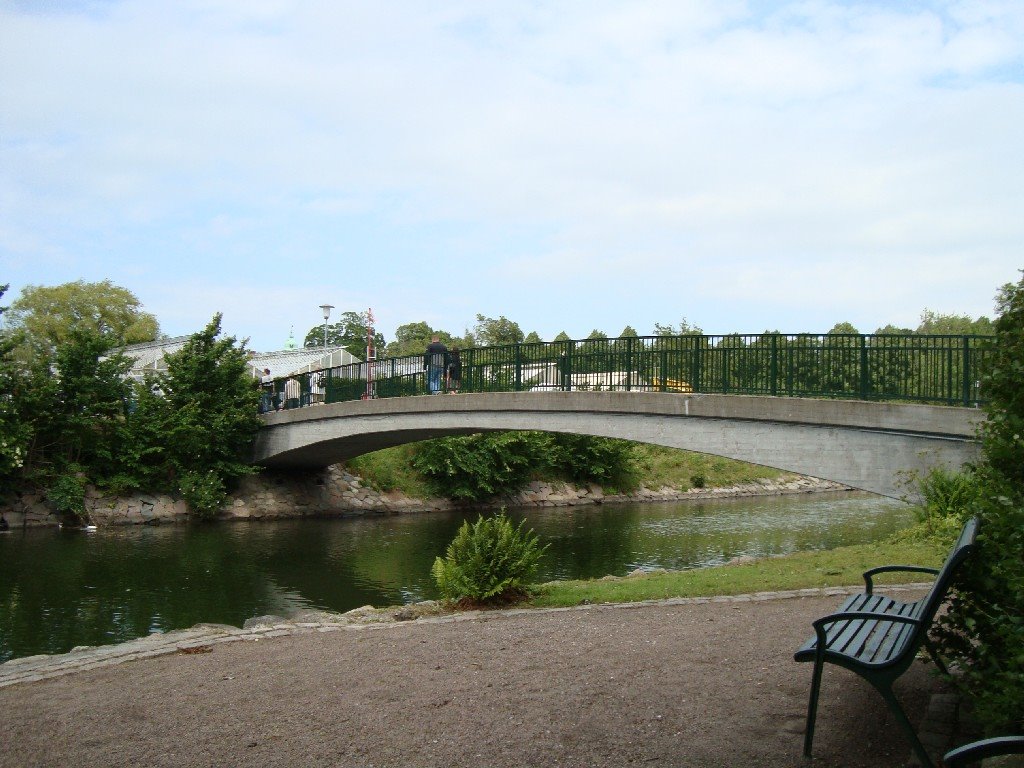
{"x":865,"y":445}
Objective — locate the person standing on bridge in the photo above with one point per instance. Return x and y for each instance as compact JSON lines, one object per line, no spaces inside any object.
{"x":454,"y":377}
{"x":435,"y":361}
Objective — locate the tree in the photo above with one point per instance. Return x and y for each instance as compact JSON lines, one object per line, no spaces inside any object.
{"x":412,"y":339}
{"x":349,"y":332}
{"x":892,"y":330}
{"x":81,"y":427}
{"x":562,"y":336}
{"x":955,"y":325}
{"x":841,"y":328}
{"x":195,"y":423}
{"x":984,"y":625}
{"x":629,"y":332}
{"x":15,"y":433}
{"x":490,"y":332}
{"x":48,"y":315}
{"x":684,"y":329}
{"x":533,"y":338}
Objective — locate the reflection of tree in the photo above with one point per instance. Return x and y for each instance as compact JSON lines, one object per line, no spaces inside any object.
{"x":587,"y":542}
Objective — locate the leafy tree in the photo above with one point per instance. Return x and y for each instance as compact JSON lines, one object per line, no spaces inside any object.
{"x":80,"y":430}
{"x":350,"y":332}
{"x":892,"y":330}
{"x":48,"y":314}
{"x":533,"y":338}
{"x":585,"y":459}
{"x":684,"y":329}
{"x":62,"y":417}
{"x":412,"y":338}
{"x":984,"y":626}
{"x":477,"y":467}
{"x":840,"y":328}
{"x":490,"y":332}
{"x":628,"y":332}
{"x":195,"y":422}
{"x":15,"y":433}
{"x":562,"y":336}
{"x":956,"y":325}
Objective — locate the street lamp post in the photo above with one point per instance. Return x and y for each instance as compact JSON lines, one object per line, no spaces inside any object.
{"x":327,"y":313}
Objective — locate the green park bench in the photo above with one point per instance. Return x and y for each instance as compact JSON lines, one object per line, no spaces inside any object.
{"x":980,"y":750}
{"x":878,"y":637}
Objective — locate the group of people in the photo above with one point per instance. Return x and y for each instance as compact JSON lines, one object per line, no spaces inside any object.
{"x":443,"y":367}
{"x":440,"y":362}
{"x":271,"y":400}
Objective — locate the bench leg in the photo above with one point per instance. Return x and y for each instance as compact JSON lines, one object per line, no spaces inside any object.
{"x":901,"y":716}
{"x":812,"y":706}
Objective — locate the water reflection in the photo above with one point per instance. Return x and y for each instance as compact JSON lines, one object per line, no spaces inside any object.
{"x":59,"y":589}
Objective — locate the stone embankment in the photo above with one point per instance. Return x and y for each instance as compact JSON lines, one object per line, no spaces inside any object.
{"x":336,"y":492}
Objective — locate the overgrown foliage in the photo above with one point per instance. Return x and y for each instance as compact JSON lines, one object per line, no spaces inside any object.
{"x":984,"y":626}
{"x":70,"y":416}
{"x":489,"y":561}
{"x":192,"y":424}
{"x":15,"y":435}
{"x":948,"y":499}
{"x":478,"y":467}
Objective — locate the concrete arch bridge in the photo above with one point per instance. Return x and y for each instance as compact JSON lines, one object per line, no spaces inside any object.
{"x":868,"y":445}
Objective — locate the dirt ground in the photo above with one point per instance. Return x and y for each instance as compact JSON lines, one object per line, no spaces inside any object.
{"x":683,"y":685}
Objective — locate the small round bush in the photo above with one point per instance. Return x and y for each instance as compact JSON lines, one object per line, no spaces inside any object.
{"x":490,"y":561}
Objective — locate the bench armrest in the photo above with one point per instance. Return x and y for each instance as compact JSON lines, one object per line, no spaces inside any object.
{"x":832,"y":618}
{"x":979,"y":750}
{"x":868,"y":574}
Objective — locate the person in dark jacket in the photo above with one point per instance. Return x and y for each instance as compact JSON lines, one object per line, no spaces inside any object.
{"x":435,"y":362}
{"x":454,"y":371}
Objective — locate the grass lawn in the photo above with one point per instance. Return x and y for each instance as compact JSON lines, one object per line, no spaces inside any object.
{"x":830,"y":568}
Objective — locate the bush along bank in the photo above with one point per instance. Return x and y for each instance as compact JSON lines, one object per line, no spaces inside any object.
{"x":335,"y":491}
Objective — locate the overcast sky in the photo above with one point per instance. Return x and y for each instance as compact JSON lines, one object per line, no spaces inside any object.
{"x":569,"y":165}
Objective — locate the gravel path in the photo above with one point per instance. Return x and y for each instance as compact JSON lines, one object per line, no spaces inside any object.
{"x":664,"y":684}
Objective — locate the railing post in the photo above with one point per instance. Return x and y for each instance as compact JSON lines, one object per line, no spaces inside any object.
{"x":725,"y":369}
{"x":949,"y":373}
{"x":629,"y":363}
{"x":966,"y":379}
{"x":773,"y":387}
{"x":518,"y":385}
{"x":696,"y":362}
{"x":864,"y":378}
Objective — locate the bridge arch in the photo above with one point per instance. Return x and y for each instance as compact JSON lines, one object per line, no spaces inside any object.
{"x":866,"y":445}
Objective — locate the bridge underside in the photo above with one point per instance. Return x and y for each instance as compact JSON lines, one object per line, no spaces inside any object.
{"x":874,"y":447}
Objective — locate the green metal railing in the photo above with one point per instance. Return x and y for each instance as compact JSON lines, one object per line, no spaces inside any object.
{"x":918,"y":368}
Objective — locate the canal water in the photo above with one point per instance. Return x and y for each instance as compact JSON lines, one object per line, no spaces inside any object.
{"x":59,"y":589}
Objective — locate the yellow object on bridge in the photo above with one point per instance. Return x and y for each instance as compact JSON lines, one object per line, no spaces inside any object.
{"x":673,"y":385}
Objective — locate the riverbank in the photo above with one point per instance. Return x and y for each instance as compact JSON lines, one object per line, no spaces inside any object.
{"x":335,"y":491}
